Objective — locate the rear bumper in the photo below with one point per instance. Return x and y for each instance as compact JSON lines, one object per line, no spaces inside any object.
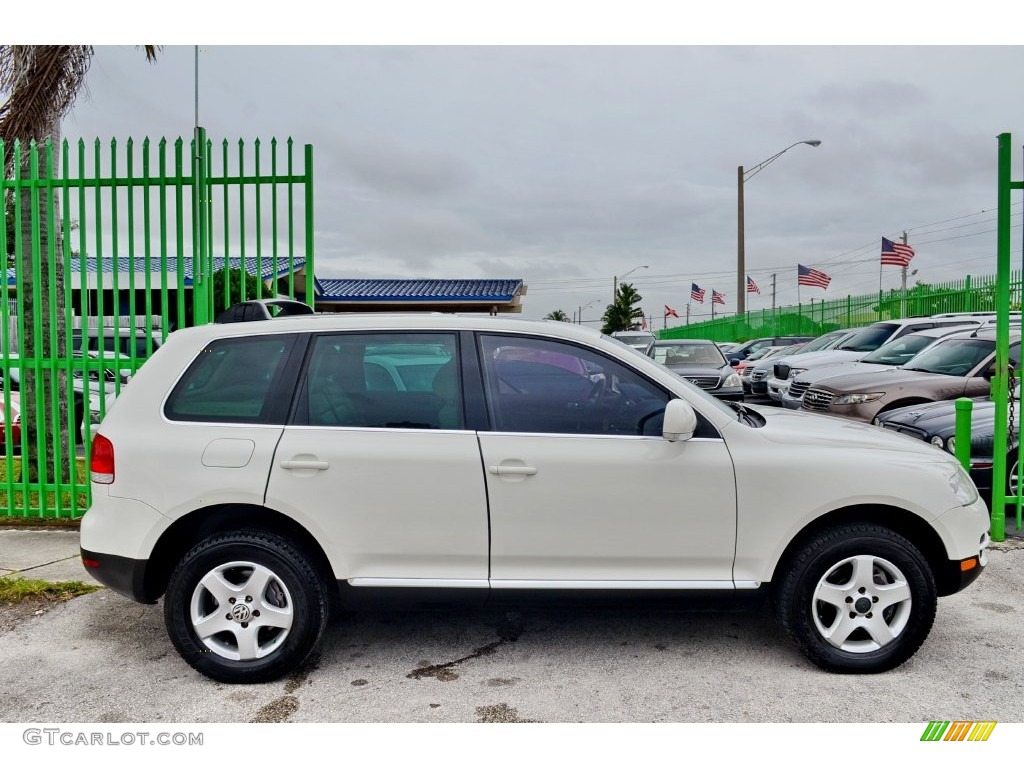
{"x":122,"y":574}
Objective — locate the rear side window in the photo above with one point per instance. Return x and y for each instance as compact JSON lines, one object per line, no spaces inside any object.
{"x":233,"y":380}
{"x":385,"y":380}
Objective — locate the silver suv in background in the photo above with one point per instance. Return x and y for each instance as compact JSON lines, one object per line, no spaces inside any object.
{"x":958,"y":365}
{"x":864,"y":341}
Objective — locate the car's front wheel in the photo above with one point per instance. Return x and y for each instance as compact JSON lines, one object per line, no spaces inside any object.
{"x":858,"y":598}
{"x":245,"y":607}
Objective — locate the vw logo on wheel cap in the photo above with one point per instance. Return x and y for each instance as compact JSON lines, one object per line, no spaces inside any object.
{"x":241,"y":612}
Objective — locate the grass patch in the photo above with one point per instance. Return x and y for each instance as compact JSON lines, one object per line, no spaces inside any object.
{"x":17,"y":589}
{"x":35,"y":500}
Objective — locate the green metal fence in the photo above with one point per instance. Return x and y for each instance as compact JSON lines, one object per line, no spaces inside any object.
{"x":109,"y":249}
{"x":1007,"y":451}
{"x":970,"y":294}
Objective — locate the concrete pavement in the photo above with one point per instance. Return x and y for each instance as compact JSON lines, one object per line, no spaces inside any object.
{"x":48,"y":554}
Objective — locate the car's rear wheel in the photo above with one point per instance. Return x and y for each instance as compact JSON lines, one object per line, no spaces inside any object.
{"x":245,"y":607}
{"x":858,"y":599}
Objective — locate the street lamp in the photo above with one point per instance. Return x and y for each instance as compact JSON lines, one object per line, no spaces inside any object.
{"x":579,"y":315}
{"x":615,"y":280}
{"x":742,"y":176}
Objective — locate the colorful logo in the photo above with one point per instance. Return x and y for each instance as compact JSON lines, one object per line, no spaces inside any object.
{"x":939,"y":730}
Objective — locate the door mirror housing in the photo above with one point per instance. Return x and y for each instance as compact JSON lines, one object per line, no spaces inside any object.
{"x":680,"y":421}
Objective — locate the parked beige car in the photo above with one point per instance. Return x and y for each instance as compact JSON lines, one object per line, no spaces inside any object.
{"x":959,"y":365}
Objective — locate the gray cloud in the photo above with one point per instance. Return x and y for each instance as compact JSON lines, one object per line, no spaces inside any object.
{"x":568,"y":165}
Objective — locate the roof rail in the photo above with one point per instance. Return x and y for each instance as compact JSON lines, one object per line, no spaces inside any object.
{"x":263,"y":309}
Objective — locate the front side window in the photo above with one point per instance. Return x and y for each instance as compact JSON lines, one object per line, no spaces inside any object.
{"x":232,"y":381}
{"x":391,"y":380}
{"x":543,"y":386}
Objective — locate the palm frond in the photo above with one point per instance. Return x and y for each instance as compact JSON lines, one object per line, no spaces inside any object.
{"x":41,"y":83}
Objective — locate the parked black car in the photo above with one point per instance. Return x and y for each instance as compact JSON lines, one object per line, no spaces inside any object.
{"x":936,"y":423}
{"x":700,"y":362}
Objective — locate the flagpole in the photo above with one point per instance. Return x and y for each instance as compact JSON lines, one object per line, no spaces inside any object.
{"x":903,"y":283}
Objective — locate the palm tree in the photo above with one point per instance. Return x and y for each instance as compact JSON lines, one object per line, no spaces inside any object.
{"x":623,"y":314}
{"x":557,"y":314}
{"x":41,"y":83}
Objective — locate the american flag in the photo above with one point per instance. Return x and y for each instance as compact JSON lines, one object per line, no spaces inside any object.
{"x":669,"y":312}
{"x":716,"y":297}
{"x":809,"y":276}
{"x":752,"y":286}
{"x":897,"y":254}
{"x":697,"y":293}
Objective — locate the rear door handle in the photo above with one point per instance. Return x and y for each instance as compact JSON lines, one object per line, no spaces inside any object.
{"x":304,"y":464}
{"x":515,"y":470}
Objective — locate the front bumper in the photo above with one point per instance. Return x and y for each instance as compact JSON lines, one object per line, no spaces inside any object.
{"x":957,"y":575}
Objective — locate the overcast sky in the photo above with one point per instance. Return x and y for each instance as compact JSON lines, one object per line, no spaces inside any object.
{"x":567,"y":166}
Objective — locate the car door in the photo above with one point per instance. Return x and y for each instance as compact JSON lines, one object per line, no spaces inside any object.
{"x":583,"y":490}
{"x":384,"y":472}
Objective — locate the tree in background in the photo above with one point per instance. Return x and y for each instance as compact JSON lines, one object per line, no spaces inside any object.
{"x":557,"y":315}
{"x":231,"y":280}
{"x":623,"y":314}
{"x":41,"y":83}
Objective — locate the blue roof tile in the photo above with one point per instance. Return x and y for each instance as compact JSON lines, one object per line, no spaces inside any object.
{"x":331,"y":289}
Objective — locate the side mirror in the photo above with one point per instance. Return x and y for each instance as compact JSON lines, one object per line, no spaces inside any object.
{"x":680,"y":421}
{"x":990,"y":373}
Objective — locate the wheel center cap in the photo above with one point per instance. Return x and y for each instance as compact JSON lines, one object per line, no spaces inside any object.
{"x":863,"y":605}
{"x":240,"y":612}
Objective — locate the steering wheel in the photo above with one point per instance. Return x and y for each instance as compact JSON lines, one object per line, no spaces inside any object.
{"x":597,"y":391}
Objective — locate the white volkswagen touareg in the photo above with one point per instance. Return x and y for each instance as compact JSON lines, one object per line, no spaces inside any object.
{"x":253,"y":473}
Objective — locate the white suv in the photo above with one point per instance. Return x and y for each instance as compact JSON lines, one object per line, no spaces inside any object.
{"x":254,"y":471}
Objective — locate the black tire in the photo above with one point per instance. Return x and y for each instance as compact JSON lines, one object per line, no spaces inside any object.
{"x":250,"y":640}
{"x":857,"y":567}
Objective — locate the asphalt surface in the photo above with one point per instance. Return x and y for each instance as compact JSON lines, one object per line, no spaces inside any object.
{"x":103,"y":658}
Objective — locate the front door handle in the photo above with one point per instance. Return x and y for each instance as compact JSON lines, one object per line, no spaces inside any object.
{"x":513,"y":470}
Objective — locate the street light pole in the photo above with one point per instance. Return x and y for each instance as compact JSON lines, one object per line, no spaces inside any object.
{"x":615,"y":280}
{"x":585,"y":306}
{"x":741,"y":177}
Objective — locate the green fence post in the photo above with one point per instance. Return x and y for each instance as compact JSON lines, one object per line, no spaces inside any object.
{"x":200,"y":279}
{"x":962,"y":433}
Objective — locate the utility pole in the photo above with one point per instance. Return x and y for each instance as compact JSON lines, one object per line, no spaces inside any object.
{"x":773,"y":292}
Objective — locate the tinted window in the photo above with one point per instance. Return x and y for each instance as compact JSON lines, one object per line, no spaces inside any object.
{"x":231,"y":381}
{"x":536,"y":385}
{"x":399,"y":380}
{"x":898,"y":351}
{"x":869,"y":339}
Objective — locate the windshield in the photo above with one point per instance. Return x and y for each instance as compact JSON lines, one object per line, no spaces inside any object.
{"x":952,"y":357}
{"x":898,"y":351}
{"x":635,"y":338}
{"x":869,"y":339}
{"x":688,"y":353}
{"x":825,"y":342}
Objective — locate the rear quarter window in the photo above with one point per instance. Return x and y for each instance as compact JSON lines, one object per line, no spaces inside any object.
{"x":234,"y":380}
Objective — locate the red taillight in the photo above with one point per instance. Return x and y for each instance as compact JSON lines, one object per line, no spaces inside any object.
{"x":101,"y":469}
